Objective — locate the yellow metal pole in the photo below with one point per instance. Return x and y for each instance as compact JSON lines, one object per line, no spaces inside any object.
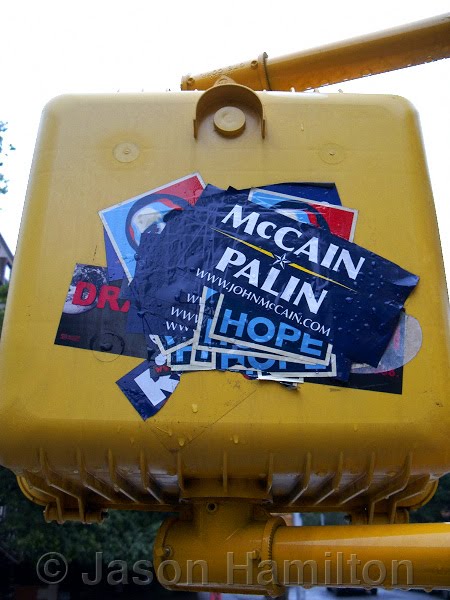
{"x":397,"y":48}
{"x":413,"y":556}
{"x":231,"y":547}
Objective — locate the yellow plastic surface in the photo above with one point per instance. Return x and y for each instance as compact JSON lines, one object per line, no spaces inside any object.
{"x":72,"y":436}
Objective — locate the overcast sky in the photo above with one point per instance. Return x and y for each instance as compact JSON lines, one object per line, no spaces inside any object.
{"x":52,"y":47}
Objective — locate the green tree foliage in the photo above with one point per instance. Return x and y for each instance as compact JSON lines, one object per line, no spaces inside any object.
{"x":3,"y":155}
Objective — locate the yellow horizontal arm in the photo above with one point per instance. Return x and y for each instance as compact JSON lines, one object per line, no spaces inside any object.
{"x":388,"y":50}
{"x":225,"y":547}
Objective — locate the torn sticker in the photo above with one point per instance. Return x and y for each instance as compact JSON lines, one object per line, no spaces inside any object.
{"x":94,"y":316}
{"x":403,"y":347}
{"x":114,"y":266}
{"x":317,"y":192}
{"x":319,"y":205}
{"x":168,"y":343}
{"x":338,"y":220}
{"x":181,"y":360}
{"x":149,"y":386}
{"x":125,"y":222}
{"x":263,"y":262}
{"x":280,"y":378}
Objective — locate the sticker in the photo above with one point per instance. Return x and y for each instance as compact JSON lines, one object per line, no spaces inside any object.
{"x":390,"y":382}
{"x":149,"y":386}
{"x":223,"y":356}
{"x":273,"y":377}
{"x":231,"y":324}
{"x":168,"y":343}
{"x":125,"y":222}
{"x":203,"y":341}
{"x":265,"y":281}
{"x":318,"y":192}
{"x":342,"y":221}
{"x":94,"y":316}
{"x":181,"y":360}
{"x":294,"y":275}
{"x":338,"y":220}
{"x":114,"y":266}
{"x":233,"y":362}
{"x":403,"y":347}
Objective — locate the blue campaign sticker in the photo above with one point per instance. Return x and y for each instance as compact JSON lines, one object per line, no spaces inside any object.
{"x":168,"y":343}
{"x":188,"y":359}
{"x":263,"y":258}
{"x":203,"y":358}
{"x":225,"y":350}
{"x":149,"y":386}
{"x":234,"y":324}
{"x":178,"y":319}
{"x":166,"y":317}
{"x":338,"y":220}
{"x":228,"y":361}
{"x":319,"y":192}
{"x":223,"y":356}
{"x":114,"y":266}
{"x":172,"y":330}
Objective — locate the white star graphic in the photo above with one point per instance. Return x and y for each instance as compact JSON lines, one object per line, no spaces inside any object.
{"x":281,"y":260}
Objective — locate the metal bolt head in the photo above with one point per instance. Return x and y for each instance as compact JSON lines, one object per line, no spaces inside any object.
{"x":126,"y":152}
{"x":229,"y":121}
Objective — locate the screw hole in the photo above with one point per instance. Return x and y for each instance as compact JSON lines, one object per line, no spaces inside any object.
{"x":211,"y":507}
